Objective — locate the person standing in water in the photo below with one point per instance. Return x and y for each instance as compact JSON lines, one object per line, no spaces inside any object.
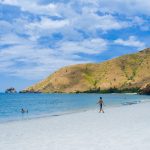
{"x":101,"y":103}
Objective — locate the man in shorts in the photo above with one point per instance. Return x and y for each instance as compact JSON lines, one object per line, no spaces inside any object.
{"x":101,"y":103}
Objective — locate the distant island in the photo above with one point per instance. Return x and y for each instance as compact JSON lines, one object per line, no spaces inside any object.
{"x":10,"y":90}
{"x":128,"y":73}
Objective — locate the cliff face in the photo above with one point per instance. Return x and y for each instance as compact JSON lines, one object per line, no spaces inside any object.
{"x":145,"y":89}
{"x":125,"y":72}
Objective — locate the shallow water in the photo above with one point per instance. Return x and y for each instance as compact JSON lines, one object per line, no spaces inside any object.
{"x":40,"y":105}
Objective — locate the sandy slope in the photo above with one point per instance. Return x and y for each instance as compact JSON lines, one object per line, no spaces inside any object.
{"x":120,"y":128}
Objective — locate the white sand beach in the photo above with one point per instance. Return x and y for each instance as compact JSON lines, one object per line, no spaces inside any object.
{"x":119,"y":128}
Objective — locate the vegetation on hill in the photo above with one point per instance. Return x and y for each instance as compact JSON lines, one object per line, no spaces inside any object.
{"x":127,"y":73}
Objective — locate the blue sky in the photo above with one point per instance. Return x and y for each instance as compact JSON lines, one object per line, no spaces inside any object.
{"x":37,"y":37}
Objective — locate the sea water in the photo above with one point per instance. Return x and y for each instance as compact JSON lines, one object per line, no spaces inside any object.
{"x":41,"y":105}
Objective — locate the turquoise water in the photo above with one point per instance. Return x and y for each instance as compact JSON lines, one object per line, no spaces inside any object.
{"x":40,"y":105}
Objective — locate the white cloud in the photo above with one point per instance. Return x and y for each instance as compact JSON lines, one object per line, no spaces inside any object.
{"x":5,"y":27}
{"x":10,"y":2}
{"x":48,"y":24}
{"x":33,"y":6}
{"x":87,"y":21}
{"x":128,"y":7}
{"x":11,"y":39}
{"x":25,"y":59}
{"x":87,"y":18}
{"x":108,"y":22}
{"x":140,"y":22}
{"x":91,"y":46}
{"x":26,"y":62}
{"x":132,"y":42}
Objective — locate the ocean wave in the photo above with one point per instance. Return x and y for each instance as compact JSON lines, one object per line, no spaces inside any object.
{"x":131,"y":103}
{"x":136,"y":102}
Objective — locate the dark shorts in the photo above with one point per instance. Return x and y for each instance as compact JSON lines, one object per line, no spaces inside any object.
{"x":101,"y":106}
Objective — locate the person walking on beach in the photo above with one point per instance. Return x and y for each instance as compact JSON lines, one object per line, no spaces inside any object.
{"x":101,"y":103}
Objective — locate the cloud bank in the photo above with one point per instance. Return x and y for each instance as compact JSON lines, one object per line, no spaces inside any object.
{"x":40,"y":36}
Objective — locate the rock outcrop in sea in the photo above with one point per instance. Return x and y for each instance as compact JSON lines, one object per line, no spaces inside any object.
{"x":10,"y":90}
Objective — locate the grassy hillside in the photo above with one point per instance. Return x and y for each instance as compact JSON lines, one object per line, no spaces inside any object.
{"x":125,"y":73}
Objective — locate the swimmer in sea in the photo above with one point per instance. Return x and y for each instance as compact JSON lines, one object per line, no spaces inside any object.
{"x":24,"y":111}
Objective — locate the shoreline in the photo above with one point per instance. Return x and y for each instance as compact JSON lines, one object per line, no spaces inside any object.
{"x":118,"y":128}
{"x":58,"y":114}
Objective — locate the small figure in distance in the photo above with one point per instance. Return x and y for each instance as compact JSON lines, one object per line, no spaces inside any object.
{"x":24,"y":111}
{"x":101,"y":103}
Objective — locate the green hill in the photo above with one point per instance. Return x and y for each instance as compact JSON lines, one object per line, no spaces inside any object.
{"x":127,"y":73}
